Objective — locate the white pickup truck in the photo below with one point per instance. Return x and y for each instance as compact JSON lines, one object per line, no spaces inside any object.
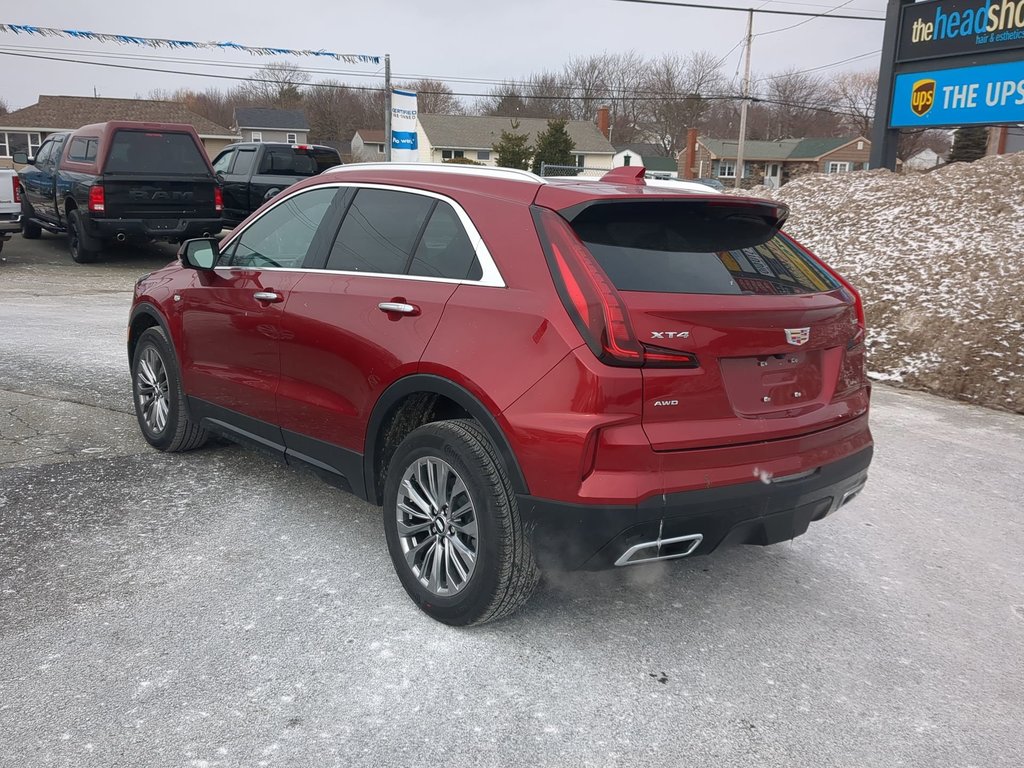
{"x":10,"y":205}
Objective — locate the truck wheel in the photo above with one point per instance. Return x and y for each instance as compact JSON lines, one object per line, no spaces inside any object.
{"x":76,"y":239}
{"x":453,"y":527}
{"x":29,"y":229}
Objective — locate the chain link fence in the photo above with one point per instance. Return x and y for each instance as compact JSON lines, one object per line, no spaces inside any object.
{"x":572,"y":170}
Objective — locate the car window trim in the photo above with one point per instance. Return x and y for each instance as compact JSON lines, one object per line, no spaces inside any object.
{"x":490,"y":277}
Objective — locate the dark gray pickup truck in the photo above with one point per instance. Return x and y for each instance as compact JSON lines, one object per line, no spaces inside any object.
{"x":251,"y":173}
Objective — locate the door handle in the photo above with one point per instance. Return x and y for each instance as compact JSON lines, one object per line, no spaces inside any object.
{"x":398,"y":307}
{"x":268,"y":296}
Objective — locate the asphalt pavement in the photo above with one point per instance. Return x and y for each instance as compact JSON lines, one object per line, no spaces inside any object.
{"x":218,"y":609}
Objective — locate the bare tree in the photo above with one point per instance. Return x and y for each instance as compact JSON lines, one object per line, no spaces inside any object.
{"x":435,"y":97}
{"x":677,"y":90}
{"x":852,"y":94}
{"x":4,"y":109}
{"x":796,"y":105}
{"x":278,"y":84}
{"x":504,"y":100}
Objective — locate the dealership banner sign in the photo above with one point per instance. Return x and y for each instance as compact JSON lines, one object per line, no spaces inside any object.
{"x":404,"y":143}
{"x":964,"y":96}
{"x":953,"y":27}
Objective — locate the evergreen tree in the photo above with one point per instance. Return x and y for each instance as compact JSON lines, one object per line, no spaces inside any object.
{"x":554,"y":146}
{"x":513,"y":149}
{"x":969,"y":144}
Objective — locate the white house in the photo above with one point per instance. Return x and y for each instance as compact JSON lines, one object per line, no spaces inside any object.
{"x":266,"y":124}
{"x":650,"y":156}
{"x":924,"y":160}
{"x":446,"y":137}
{"x":368,"y":145}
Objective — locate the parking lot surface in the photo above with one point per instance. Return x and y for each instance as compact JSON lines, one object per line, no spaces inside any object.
{"x":217,"y":609}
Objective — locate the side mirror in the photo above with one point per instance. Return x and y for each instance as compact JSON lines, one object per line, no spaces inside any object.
{"x":199,"y":253}
{"x":22,"y":158}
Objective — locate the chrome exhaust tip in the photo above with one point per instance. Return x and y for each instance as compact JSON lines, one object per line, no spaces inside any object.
{"x":661,"y":549}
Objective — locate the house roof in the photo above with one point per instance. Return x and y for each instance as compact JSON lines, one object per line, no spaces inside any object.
{"x":786,"y":149}
{"x":54,"y":113}
{"x":271,"y":119}
{"x":371,"y":136}
{"x":473,"y":132}
{"x":642,"y":148}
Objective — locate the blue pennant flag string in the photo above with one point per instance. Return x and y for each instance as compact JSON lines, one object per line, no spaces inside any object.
{"x":157,"y":42}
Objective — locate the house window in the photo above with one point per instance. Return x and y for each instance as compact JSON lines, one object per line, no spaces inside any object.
{"x":450,"y":154}
{"x":483,"y":154}
{"x":580,"y":160}
{"x":292,"y":138}
{"x":257,"y":136}
{"x":834,"y":167}
{"x":380,"y":148}
{"x":19,"y":142}
{"x":727,"y":169}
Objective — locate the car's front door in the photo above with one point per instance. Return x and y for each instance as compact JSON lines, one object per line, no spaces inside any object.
{"x":235,"y":183}
{"x":37,"y":180}
{"x":231,"y":315}
{"x":361,"y":323}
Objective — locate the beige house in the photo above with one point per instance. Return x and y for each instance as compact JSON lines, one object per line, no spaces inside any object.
{"x":266,"y":124}
{"x":368,"y":145}
{"x":447,"y":137}
{"x":24,"y":129}
{"x":773,"y":163}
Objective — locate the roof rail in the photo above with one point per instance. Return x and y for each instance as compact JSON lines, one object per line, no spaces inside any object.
{"x":511,"y":174}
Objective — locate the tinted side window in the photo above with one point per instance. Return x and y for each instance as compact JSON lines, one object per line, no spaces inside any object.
{"x":82,"y":150}
{"x":379,"y":231}
{"x":43,"y":155}
{"x":445,"y":250}
{"x":155,"y":152}
{"x":283,"y":235}
{"x":222,"y":163}
{"x":671,"y":247}
{"x":243,"y":162}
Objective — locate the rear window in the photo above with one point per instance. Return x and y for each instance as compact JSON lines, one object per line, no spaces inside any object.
{"x":292,"y":161}
{"x":155,"y":152}
{"x":696,"y":247}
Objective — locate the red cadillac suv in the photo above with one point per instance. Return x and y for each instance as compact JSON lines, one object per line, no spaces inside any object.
{"x":525,"y":373}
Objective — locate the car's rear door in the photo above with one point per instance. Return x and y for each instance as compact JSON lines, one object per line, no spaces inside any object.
{"x":775,"y":342}
{"x":363,"y":321}
{"x":231,"y":316}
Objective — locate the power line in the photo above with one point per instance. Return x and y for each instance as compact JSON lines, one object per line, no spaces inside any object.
{"x":799,"y":23}
{"x":642,"y":96}
{"x":708,"y":7}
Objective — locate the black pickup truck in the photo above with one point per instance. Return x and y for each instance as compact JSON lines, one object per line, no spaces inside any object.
{"x":118,"y":181}
{"x":251,"y":173}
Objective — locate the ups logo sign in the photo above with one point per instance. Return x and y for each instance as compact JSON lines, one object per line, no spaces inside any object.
{"x":922,"y":97}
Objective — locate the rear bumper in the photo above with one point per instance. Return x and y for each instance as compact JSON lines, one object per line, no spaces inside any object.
{"x":157,"y":229}
{"x":10,"y":223}
{"x":567,"y":536}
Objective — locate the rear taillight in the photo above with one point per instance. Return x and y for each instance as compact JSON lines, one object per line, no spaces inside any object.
{"x":218,"y":199}
{"x":97,"y":199}
{"x":17,"y":189}
{"x":593,"y":303}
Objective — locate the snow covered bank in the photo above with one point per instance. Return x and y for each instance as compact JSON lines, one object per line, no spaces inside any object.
{"x":939,"y":259}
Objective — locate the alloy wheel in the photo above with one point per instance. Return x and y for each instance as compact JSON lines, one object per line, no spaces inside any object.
{"x":437,"y":526}
{"x":152,"y":388}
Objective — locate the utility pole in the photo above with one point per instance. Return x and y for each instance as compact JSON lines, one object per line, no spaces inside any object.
{"x":743,"y":106}
{"x":387,"y":107}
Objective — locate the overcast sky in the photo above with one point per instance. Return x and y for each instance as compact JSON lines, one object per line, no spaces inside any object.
{"x":443,"y":39}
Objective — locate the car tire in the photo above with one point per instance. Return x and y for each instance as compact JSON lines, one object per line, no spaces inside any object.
{"x":160,"y":405}
{"x":29,"y":229}
{"x":446,"y":497}
{"x":81,"y":253}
